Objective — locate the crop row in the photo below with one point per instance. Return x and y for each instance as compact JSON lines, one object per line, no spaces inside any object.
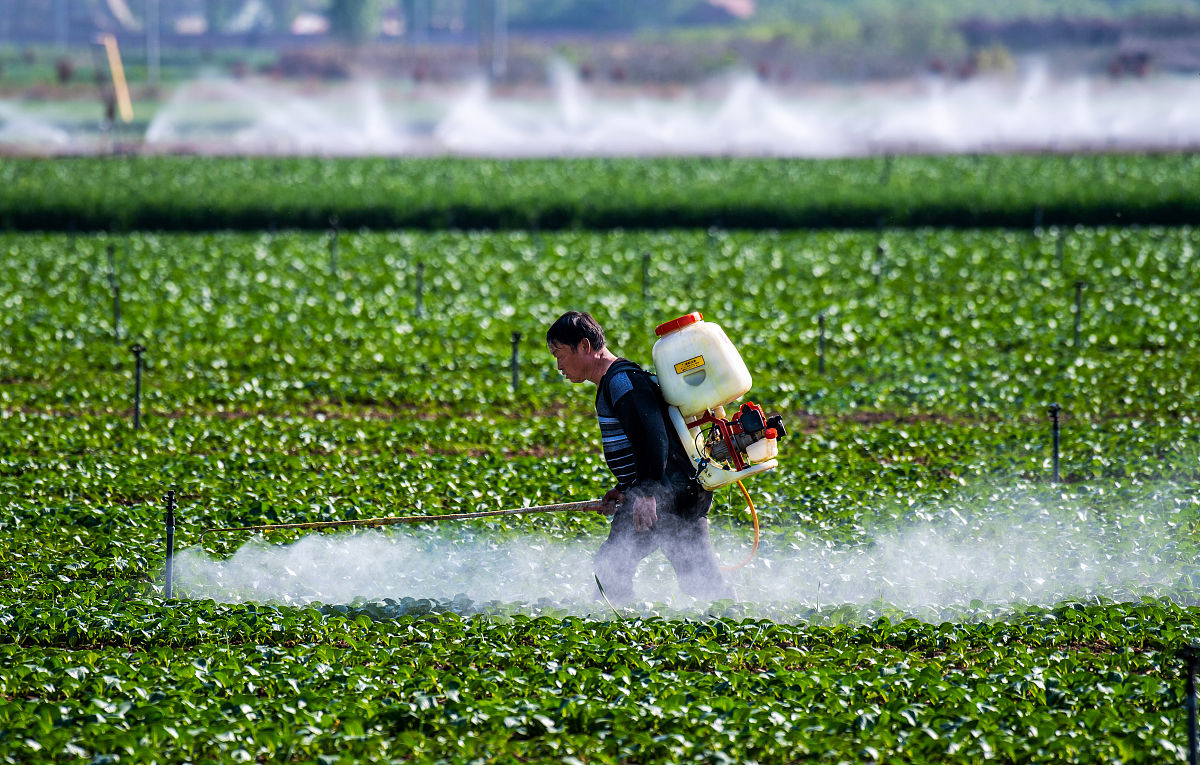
{"x":922,"y":590}
{"x":192,"y":193}
{"x":991,"y":323}
{"x":83,"y":506}
{"x":95,"y":665}
{"x":444,"y":688}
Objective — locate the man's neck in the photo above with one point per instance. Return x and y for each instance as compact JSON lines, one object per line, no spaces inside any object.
{"x":603,"y":360}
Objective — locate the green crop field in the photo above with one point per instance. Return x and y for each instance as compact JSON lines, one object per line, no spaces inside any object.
{"x":256,"y":193}
{"x":923,"y":589}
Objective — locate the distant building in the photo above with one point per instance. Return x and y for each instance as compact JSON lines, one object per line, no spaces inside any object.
{"x":718,"y":12}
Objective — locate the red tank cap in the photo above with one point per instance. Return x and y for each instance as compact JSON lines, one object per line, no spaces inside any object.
{"x":680,"y":323}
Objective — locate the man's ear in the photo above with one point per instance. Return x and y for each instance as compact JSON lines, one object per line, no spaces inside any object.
{"x":584,"y":347}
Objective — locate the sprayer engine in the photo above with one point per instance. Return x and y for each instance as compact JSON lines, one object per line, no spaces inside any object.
{"x":699,"y":372}
{"x":745,"y":439}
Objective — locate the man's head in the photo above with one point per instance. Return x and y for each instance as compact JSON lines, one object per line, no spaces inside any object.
{"x":573,"y":327}
{"x":577,"y":341}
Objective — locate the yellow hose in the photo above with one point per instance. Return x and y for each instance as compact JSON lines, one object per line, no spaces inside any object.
{"x":754,"y":517}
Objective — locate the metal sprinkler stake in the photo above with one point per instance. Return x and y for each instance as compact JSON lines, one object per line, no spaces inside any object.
{"x":420,"y":289}
{"x":516,"y":370}
{"x":877,"y":266}
{"x":1078,"y":309}
{"x":1054,"y":410}
{"x":168,"y":585}
{"x":646,"y":275}
{"x":138,"y":350}
{"x":116,"y":293}
{"x":885,"y":174}
{"x":333,"y":245}
{"x":821,"y":343}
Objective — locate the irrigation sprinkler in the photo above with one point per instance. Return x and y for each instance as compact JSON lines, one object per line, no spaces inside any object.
{"x":168,"y":584}
{"x":563,"y":507}
{"x":821,"y":343}
{"x":1054,"y":436}
{"x":420,"y":289}
{"x":1038,"y":216}
{"x":116,"y":294}
{"x":138,"y":349}
{"x":1078,"y":308}
{"x":516,"y":369}
{"x":333,"y":245}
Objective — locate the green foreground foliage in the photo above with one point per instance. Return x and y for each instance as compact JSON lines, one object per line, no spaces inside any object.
{"x":195,"y":193}
{"x":287,"y":381}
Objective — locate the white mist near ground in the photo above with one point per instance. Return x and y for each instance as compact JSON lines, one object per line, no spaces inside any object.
{"x":1030,"y":556}
{"x":1003,"y":562}
{"x":337,"y":568}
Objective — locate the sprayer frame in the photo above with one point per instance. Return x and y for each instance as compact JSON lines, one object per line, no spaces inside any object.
{"x":709,"y":475}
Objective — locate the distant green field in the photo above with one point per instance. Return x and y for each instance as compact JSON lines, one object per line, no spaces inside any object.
{"x":923,"y":590}
{"x":193,"y":193}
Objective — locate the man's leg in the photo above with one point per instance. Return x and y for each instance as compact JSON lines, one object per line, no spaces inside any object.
{"x":687,"y":545}
{"x":618,"y":558}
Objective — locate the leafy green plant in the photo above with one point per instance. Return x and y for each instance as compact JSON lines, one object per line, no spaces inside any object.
{"x":893,"y":612}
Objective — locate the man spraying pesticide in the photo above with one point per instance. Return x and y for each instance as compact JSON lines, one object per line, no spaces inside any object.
{"x":666,"y":440}
{"x":667,"y":443}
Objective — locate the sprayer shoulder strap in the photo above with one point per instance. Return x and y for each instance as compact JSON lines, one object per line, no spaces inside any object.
{"x":618,"y":366}
{"x":676,"y":457}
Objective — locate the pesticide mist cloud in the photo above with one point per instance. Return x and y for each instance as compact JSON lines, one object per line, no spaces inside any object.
{"x":341,"y":567}
{"x":1029,"y":558}
{"x":1019,"y":552}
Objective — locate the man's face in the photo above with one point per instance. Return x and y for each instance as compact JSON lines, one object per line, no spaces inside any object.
{"x":571,"y":360}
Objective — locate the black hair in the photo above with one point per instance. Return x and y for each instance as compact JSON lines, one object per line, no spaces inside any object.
{"x":574,"y":326}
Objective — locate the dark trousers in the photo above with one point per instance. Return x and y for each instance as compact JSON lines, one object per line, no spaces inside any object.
{"x":684,"y":541}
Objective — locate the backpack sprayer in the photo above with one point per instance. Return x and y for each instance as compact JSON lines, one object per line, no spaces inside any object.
{"x":699,"y":372}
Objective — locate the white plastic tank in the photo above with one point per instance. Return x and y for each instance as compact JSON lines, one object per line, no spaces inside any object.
{"x":698,"y":368}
